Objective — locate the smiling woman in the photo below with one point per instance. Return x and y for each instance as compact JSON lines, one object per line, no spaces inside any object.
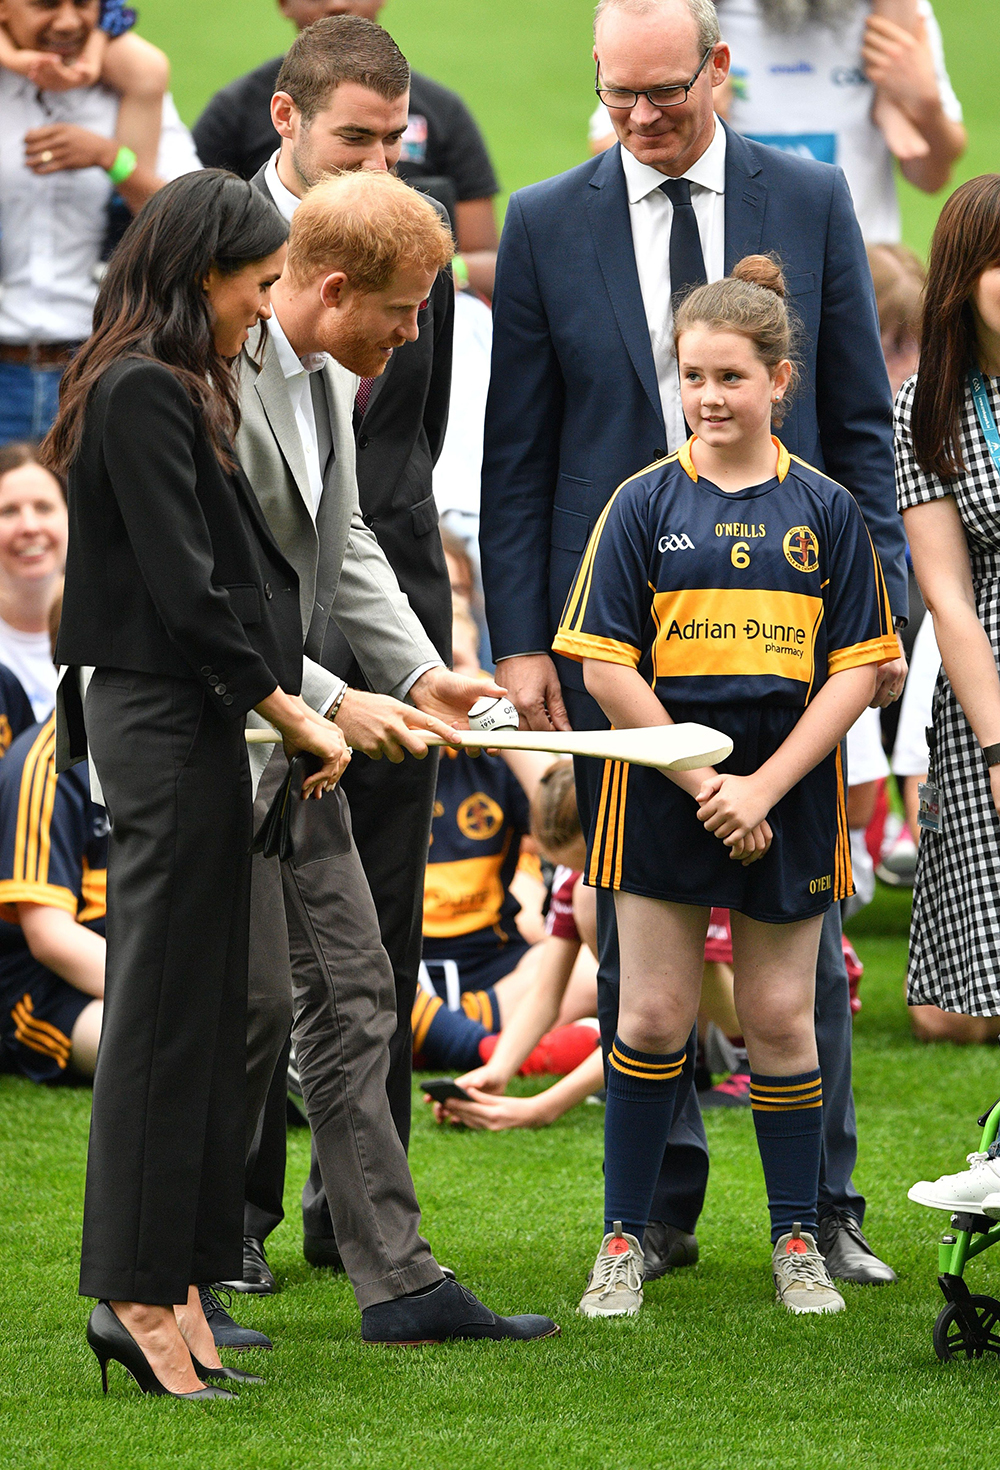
{"x":33,"y":530}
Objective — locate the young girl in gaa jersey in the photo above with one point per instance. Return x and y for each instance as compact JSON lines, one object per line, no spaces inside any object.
{"x":735,"y":586}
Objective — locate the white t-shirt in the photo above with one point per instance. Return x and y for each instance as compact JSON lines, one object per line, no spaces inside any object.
{"x":29,"y":656}
{"x":807,"y":94}
{"x":865,"y":757}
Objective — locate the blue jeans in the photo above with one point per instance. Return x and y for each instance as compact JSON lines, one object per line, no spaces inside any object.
{"x":29,"y":400}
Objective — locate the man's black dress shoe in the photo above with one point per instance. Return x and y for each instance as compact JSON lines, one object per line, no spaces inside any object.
{"x":848,"y":1255}
{"x":665,"y":1248}
{"x":226,"y":1332}
{"x":321,"y":1250}
{"x":258,"y":1278}
{"x":443,"y":1313}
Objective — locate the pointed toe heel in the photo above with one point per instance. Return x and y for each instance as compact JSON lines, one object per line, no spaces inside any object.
{"x":111,"y":1341}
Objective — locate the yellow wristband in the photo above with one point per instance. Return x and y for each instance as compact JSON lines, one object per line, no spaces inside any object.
{"x":123,"y":167}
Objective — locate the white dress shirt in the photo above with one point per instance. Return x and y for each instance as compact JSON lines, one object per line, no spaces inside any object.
{"x":284,"y":198}
{"x":651,"y":214}
{"x":52,"y":226}
{"x":297,"y":372}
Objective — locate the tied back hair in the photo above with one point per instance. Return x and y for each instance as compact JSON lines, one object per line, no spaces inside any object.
{"x":966,"y":243}
{"x":751,"y":301}
{"x":152,"y":303}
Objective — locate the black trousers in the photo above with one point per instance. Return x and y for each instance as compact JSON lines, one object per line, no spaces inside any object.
{"x":165,"y":1168}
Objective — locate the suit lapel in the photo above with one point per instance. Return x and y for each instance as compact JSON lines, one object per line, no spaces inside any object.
{"x":746,"y":199}
{"x":272,"y":391}
{"x":608,"y":212}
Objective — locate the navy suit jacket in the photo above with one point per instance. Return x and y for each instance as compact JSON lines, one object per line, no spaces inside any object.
{"x":574,"y":406}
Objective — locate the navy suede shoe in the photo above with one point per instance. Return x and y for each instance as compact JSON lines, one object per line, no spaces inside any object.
{"x":445,"y":1313}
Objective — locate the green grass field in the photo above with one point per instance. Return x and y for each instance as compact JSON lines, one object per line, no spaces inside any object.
{"x":711,"y":1374}
{"x":524,"y":67}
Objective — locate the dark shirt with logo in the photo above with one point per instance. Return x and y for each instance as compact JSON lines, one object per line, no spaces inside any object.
{"x":442,"y":140}
{"x":720,"y":598}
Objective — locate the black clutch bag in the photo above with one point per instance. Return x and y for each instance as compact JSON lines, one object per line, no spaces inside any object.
{"x":300,"y":831}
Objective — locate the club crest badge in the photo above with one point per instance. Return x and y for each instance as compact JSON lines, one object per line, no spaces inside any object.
{"x":801,"y":548}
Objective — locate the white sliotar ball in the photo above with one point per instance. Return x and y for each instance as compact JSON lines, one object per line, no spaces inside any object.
{"x":493,"y":714}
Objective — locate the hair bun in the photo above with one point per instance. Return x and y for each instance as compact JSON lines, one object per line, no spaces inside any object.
{"x":761,"y":270}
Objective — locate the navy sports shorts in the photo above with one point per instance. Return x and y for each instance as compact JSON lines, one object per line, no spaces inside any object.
{"x":481,"y":959}
{"x":36,"y":1026}
{"x":645,"y":836}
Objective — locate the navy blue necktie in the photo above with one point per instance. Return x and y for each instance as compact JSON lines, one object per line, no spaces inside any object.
{"x":687,"y":264}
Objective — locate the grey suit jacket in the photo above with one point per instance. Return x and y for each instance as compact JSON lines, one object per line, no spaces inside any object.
{"x":343,"y":574}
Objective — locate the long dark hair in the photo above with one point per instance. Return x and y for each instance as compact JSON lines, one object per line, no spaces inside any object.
{"x":966,"y":242}
{"x":151,"y":302}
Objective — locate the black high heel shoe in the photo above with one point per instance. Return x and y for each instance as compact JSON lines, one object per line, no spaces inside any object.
{"x":220,"y":1375}
{"x":112,"y":1342}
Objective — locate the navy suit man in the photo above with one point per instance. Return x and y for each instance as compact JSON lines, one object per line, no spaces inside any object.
{"x":585,"y":393}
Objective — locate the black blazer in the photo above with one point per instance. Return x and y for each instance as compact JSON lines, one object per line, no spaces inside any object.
{"x":399,"y":441}
{"x":171,"y":567}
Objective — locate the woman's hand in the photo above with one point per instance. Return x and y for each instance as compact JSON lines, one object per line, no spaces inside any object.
{"x":734,"y":809}
{"x":60,"y":146}
{"x":303,"y":729}
{"x":486,"y":1078}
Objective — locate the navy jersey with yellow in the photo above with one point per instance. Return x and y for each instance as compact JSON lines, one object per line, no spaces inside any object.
{"x":480,"y":816}
{"x":53,"y":851}
{"x":735,"y":608}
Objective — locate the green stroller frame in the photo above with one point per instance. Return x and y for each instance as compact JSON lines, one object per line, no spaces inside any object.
{"x":966,"y":1323}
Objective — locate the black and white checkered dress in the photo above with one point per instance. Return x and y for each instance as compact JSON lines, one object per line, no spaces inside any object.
{"x":955,"y":932}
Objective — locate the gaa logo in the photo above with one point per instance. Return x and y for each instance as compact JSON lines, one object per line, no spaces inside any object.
{"x":682,"y":542}
{"x":801,"y":548}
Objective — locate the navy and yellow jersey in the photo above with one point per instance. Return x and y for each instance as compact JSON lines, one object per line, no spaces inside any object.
{"x":53,"y":837}
{"x":16,"y":713}
{"x":480,"y":816}
{"x":53,"y":851}
{"x":720,"y":598}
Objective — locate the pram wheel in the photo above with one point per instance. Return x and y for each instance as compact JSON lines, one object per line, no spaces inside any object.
{"x":968,"y":1326}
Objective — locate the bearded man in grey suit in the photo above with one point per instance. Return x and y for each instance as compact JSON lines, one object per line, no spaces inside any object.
{"x":364,"y":252}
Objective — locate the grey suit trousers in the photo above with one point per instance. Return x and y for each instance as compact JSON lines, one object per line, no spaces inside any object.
{"x":343,"y":1003}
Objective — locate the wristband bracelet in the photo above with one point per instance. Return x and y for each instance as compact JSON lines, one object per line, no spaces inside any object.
{"x":334,"y":706}
{"x":460,"y":271}
{"x":123,"y":167}
{"x":992,"y":754}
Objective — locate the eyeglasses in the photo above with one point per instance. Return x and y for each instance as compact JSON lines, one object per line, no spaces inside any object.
{"x":620,"y":100}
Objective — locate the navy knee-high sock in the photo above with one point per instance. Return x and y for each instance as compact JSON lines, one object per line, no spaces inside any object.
{"x":788,"y":1117}
{"x":444,"y":1038}
{"x":642,"y":1087}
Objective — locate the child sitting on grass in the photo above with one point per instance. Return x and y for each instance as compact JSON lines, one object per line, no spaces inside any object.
{"x":130,"y":66}
{"x":733,"y":586}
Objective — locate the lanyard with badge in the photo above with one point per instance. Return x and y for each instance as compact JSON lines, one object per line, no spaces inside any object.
{"x":929,"y":817}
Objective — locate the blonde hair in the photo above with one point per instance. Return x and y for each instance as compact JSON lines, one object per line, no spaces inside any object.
{"x":555,"y":820}
{"x":369,"y":225}
{"x":899,"y":277}
{"x":751,"y":301}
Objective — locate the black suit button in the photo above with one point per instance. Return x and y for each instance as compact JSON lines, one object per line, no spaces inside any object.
{"x":267,"y":591}
{"x":659,"y":453}
{"x":363,"y":441}
{"x":228,"y":699}
{"x":220,"y":689}
{"x":206,"y":670}
{"x":369,"y":521}
{"x":213,"y":679}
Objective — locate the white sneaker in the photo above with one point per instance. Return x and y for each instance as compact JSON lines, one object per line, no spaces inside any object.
{"x":801,"y":1279}
{"x":991,"y":1206}
{"x":965,"y":1191}
{"x":614,"y":1286}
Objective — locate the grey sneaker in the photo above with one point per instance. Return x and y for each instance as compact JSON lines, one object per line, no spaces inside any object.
{"x":614,"y":1286}
{"x":800,"y":1275}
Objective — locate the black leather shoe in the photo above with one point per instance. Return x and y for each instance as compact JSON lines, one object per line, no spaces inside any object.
{"x":321,"y":1250}
{"x":665,"y":1248}
{"x":848,"y":1255}
{"x":445,"y":1313}
{"x":226,"y":1332}
{"x":258,"y":1278}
